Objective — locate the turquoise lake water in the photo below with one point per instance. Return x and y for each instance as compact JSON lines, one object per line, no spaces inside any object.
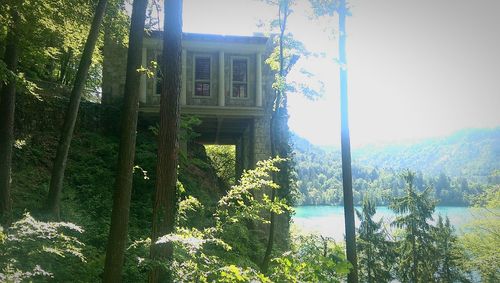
{"x":329,"y":220}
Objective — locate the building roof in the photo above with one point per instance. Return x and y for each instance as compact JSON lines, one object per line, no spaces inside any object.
{"x":257,"y":39}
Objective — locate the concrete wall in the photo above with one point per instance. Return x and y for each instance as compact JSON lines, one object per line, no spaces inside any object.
{"x":114,"y":68}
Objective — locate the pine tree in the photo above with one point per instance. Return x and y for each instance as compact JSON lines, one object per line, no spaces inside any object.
{"x":416,"y":246}
{"x":448,"y":254}
{"x":375,"y":251}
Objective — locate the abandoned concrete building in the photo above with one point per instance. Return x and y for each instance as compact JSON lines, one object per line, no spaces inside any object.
{"x":225,"y":83}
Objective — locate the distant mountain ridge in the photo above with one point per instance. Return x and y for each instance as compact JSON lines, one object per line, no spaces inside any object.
{"x":472,"y":153}
{"x":457,"y":168}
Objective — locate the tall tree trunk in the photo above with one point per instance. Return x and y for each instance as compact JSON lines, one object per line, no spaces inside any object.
{"x":350,"y":229}
{"x":279,"y":118}
{"x":123,"y":184}
{"x":165,"y":204}
{"x":7,"y":108}
{"x":56,"y":180}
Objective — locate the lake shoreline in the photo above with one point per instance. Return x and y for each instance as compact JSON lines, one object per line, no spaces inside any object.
{"x":328,"y":220}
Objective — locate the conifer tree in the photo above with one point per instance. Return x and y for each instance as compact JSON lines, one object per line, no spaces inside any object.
{"x":375,"y":251}
{"x":448,"y":254}
{"x":416,"y":246}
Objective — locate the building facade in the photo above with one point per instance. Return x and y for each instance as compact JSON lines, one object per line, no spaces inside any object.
{"x":225,"y":83}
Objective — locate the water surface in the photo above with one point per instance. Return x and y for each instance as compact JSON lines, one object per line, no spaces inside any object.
{"x":329,"y":220}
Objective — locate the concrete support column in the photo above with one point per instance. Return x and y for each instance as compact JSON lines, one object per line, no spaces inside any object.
{"x":239,"y":158}
{"x":142,"y":84}
{"x":221,"y":96}
{"x":183,"y":77}
{"x":258,"y":80}
{"x":261,"y":138}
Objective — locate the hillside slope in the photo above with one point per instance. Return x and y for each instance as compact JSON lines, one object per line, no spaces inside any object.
{"x":473,"y":153}
{"x":456,"y":167}
{"x":89,"y":179}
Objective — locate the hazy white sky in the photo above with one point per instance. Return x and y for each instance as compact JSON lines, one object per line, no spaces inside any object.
{"x":416,"y":69}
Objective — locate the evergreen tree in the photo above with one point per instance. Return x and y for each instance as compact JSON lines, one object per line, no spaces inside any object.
{"x":448,"y":254}
{"x":375,"y":254}
{"x":416,"y":249}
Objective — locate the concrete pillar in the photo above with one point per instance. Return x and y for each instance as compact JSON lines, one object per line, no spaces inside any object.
{"x":261,"y":138}
{"x":183,"y":77}
{"x":239,"y":158}
{"x":221,"y":96}
{"x":258,"y":80}
{"x":142,"y":84}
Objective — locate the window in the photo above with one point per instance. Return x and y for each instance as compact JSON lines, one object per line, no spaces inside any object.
{"x":202,"y":76}
{"x":240,"y":78}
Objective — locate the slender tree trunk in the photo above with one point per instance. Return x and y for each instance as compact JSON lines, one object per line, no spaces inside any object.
{"x":65,"y":58}
{"x":165,"y":204}
{"x":117,"y":239}
{"x":7,"y":108}
{"x":56,"y":180}
{"x":276,"y":136}
{"x":270,"y":239}
{"x":350,"y":228}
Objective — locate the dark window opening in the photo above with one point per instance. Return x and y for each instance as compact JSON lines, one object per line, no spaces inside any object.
{"x":202,"y":76}
{"x":240,"y":78}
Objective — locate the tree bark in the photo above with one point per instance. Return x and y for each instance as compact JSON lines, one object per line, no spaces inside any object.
{"x":350,"y":232}
{"x":165,"y":204}
{"x":56,"y":180}
{"x":123,"y":184}
{"x":279,"y":134}
{"x":7,"y":109}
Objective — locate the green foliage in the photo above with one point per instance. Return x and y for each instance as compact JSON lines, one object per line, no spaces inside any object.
{"x":320,"y":176}
{"x":472,"y":154}
{"x":204,"y":255}
{"x":415,"y":247}
{"x":375,"y":252}
{"x":241,"y":203}
{"x":223,"y":159}
{"x":449,"y":255}
{"x":34,"y":250}
{"x":482,"y":238}
{"x":311,"y":259}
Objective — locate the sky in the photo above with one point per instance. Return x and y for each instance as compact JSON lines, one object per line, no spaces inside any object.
{"x":416,"y":69}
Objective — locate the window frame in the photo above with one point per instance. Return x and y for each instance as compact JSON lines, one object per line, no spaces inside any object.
{"x":233,"y":58}
{"x":209,"y":57}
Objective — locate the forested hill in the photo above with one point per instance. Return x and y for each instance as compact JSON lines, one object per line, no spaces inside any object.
{"x":468,"y":153}
{"x":457,"y":167}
